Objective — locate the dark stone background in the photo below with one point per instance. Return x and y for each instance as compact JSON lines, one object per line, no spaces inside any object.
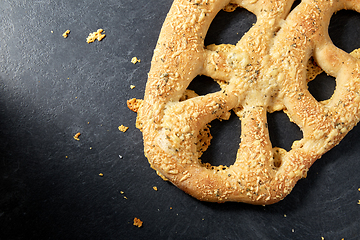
{"x":52,"y":88}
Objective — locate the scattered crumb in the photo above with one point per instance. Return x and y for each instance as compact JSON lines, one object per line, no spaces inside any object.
{"x":292,"y":230}
{"x":120,"y":156}
{"x":134,"y":60}
{"x":122,"y":128}
{"x":322,"y":238}
{"x":132,"y":86}
{"x":134,"y":104}
{"x":90,"y":148}
{"x":359,"y":189}
{"x":65,"y":34}
{"x":123,"y":193}
{"x":101,"y":174}
{"x":170,"y":208}
{"x":52,"y":31}
{"x":76,"y":137}
{"x":155,"y":188}
{"x":284,"y":215}
{"x":95,"y":35}
{"x":137,"y":222}
{"x":359,"y":202}
{"x":66,"y":156}
{"x":88,"y":122}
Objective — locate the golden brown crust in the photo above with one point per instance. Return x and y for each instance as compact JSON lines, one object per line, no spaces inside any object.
{"x":264,"y":72}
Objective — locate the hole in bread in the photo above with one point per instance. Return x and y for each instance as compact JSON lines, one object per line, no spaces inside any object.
{"x":203,"y":85}
{"x":282,"y":132}
{"x":229,"y":27}
{"x":295,"y":4}
{"x":322,"y":87}
{"x":225,"y":142}
{"x":344,"y":30}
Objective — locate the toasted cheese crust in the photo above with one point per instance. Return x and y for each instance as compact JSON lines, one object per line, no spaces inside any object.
{"x":265,"y":71}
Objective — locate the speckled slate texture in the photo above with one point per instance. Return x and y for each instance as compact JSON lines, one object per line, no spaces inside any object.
{"x":51,"y":88}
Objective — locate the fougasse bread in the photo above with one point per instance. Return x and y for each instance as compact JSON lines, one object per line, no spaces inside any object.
{"x":266,"y":71}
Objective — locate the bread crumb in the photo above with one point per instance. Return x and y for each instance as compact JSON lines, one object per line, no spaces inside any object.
{"x":76,"y":137}
{"x":135,"y":60}
{"x":66,"y":156}
{"x":137,"y":222}
{"x":122,"y":128}
{"x":122,"y":192}
{"x":101,"y":174}
{"x":132,"y":86}
{"x":359,"y":202}
{"x":359,"y":189}
{"x":134,"y":104}
{"x":65,"y":34}
{"x":170,"y":208}
{"x":155,"y":188}
{"x":95,"y":35}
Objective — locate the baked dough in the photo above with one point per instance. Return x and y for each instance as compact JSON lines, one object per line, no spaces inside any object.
{"x":265,"y":71}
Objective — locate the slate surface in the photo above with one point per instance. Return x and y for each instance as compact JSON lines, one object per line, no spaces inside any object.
{"x":51,"y":88}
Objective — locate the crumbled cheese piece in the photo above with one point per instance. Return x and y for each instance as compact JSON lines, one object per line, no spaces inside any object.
{"x":134,"y":60}
{"x":155,"y":188}
{"x":76,"y":137}
{"x":101,"y":174}
{"x":95,"y":35}
{"x":137,"y":222}
{"x":132,"y":86}
{"x":122,"y":192}
{"x":65,"y":34}
{"x":122,"y":128}
{"x":134,"y":104}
